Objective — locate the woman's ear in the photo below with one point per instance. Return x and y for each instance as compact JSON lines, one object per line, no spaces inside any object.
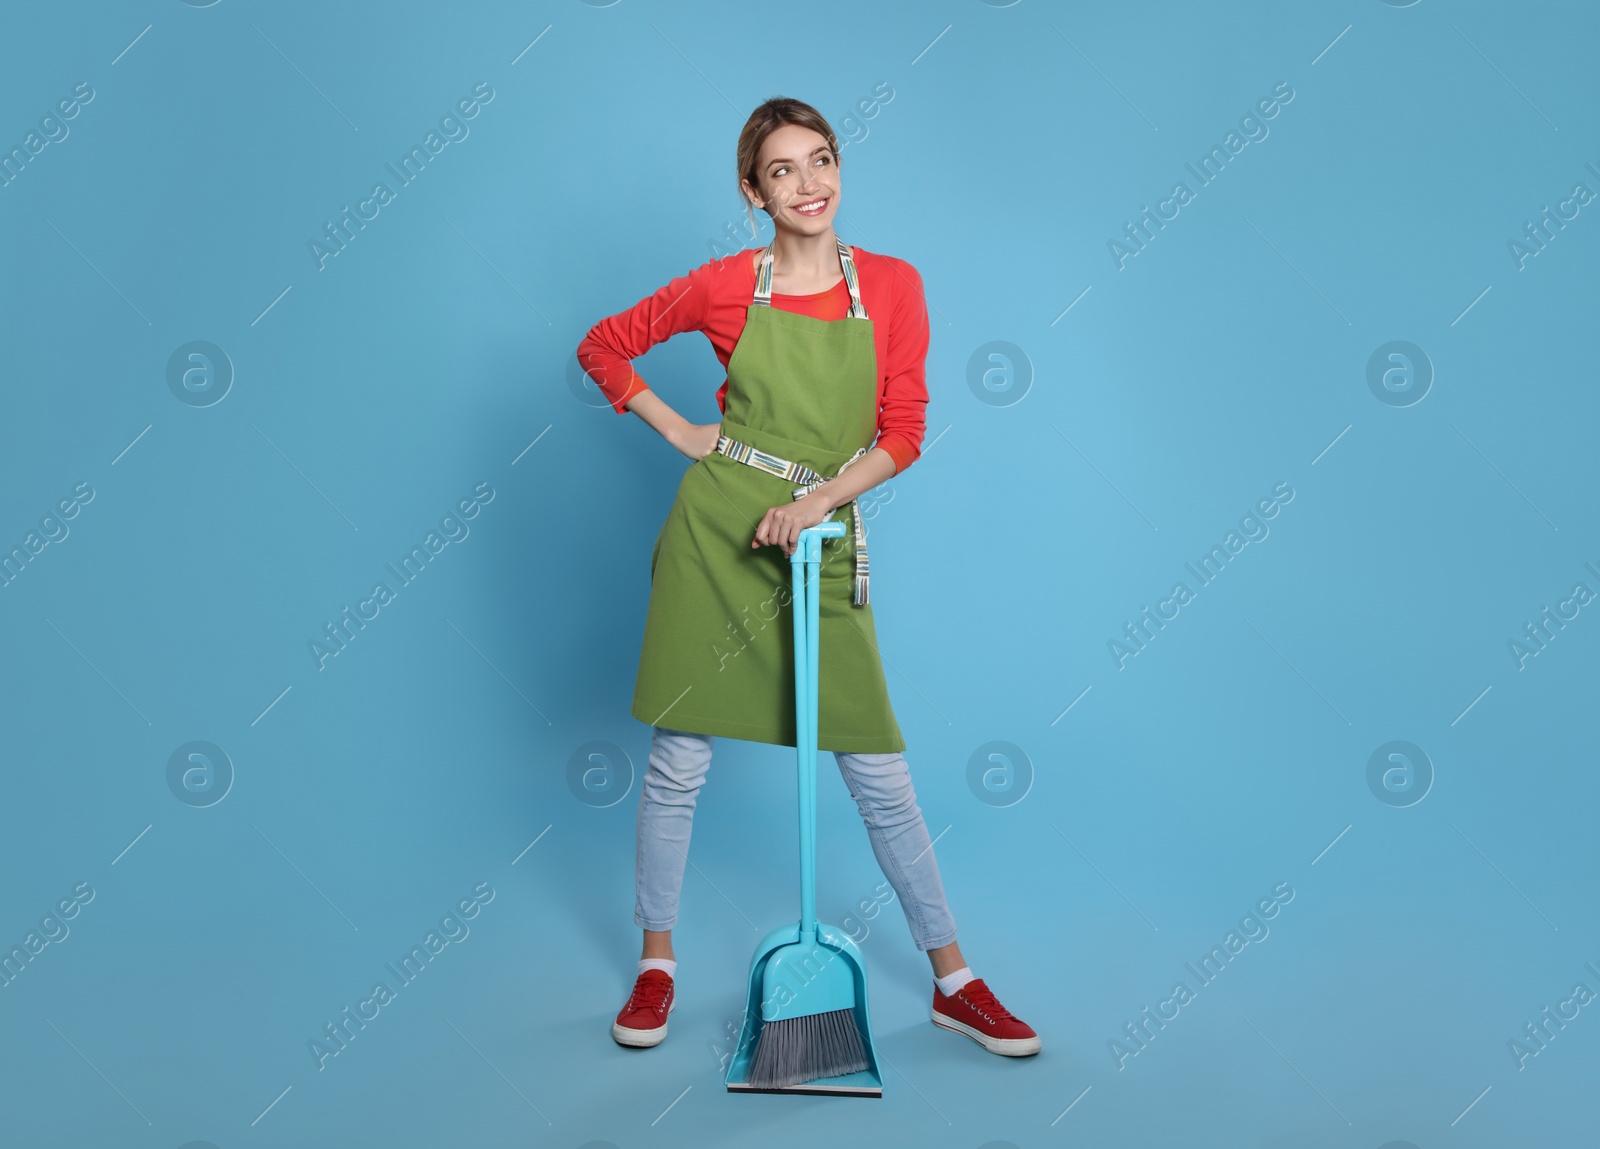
{"x":752,"y":194}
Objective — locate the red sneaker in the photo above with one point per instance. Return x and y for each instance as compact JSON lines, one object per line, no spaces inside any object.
{"x":974,"y":1011}
{"x":643,"y":1021}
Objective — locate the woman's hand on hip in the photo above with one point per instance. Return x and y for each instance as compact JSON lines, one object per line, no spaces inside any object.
{"x":781,"y":526}
{"x":697,"y":440}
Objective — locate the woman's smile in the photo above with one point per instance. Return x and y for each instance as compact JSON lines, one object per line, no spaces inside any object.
{"x":813,"y":207}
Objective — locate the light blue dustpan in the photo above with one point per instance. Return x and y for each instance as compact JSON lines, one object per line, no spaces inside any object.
{"x":806,"y":969}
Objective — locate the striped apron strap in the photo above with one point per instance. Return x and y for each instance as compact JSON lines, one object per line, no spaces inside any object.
{"x":810,"y":481}
{"x":763,"y":295}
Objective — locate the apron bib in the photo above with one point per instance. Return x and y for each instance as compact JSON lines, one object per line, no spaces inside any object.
{"x":718,"y":652}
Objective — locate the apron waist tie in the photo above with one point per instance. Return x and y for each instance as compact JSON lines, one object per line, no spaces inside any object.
{"x":800,"y":473}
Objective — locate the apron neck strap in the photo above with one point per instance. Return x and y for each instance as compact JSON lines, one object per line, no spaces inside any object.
{"x":763,"y":295}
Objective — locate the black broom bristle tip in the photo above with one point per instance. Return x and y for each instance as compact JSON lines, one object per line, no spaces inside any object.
{"x":800,"y":1049}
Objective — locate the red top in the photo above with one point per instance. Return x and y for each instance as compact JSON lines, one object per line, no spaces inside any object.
{"x":714,"y":297}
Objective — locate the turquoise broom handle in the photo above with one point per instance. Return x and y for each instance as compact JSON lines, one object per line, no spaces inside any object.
{"x":805,"y":564}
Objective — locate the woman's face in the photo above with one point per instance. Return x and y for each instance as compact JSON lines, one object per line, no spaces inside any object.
{"x":797,"y":171}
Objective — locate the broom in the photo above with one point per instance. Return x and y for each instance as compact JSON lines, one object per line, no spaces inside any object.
{"x":808,"y":1001}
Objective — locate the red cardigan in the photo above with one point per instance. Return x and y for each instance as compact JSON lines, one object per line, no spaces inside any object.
{"x":713,"y":299}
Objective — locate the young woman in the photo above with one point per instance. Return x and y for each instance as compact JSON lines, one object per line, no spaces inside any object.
{"x":824,"y":347}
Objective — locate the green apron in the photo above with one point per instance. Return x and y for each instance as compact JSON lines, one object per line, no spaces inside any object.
{"x":718,"y":653}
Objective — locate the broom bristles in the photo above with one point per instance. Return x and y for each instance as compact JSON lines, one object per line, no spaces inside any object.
{"x":800,"y":1049}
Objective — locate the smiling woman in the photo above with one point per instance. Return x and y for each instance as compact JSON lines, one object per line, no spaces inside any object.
{"x":824,"y":346}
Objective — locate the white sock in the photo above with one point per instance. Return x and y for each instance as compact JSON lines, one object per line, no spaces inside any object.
{"x":950,"y":982}
{"x":668,"y":964}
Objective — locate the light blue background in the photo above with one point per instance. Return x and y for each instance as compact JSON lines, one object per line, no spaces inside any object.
{"x":1148,"y":808}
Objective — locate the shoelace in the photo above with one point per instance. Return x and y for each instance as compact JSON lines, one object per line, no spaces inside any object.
{"x":649,"y":993}
{"x":979,"y":998}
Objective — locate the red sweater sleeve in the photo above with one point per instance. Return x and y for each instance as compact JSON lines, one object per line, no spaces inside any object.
{"x":902,"y":410}
{"x":608,"y":350}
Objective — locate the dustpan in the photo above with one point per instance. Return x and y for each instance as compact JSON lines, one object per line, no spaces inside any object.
{"x":824,"y":970}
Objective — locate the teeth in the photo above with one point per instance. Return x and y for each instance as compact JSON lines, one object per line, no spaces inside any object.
{"x":813,"y":209}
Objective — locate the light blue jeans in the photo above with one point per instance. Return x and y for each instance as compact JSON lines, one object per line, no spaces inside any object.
{"x":880,"y":784}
